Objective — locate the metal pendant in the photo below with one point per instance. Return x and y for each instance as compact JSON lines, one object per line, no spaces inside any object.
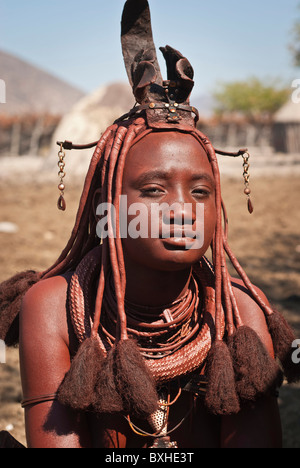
{"x":159,"y":423}
{"x":164,"y":442}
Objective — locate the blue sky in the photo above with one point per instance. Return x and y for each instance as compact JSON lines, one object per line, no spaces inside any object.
{"x":78,"y":40}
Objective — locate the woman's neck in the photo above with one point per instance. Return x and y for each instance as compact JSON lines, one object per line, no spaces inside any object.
{"x":154,"y":288}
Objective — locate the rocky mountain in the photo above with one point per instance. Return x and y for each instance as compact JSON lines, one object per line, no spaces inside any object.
{"x":32,"y":90}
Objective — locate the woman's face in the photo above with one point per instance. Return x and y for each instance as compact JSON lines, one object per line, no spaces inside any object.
{"x":170,"y":190}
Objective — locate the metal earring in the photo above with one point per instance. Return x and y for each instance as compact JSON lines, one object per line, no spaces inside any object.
{"x":246,"y":175}
{"x":61,"y":204}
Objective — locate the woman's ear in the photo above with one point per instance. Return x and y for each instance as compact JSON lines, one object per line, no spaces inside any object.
{"x":96,"y":201}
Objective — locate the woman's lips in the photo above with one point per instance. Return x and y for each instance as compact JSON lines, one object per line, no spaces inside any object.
{"x":178,"y":237}
{"x":185,"y":242}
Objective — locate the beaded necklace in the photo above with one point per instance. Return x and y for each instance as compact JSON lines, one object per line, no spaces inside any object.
{"x":182,"y":335}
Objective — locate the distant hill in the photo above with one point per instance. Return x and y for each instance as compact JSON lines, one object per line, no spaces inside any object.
{"x":32,"y":90}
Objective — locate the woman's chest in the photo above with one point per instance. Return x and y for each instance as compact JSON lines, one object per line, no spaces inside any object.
{"x":189,"y":426}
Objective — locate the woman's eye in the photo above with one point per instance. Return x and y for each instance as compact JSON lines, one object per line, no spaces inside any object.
{"x":201,"y":193}
{"x":151,"y":191}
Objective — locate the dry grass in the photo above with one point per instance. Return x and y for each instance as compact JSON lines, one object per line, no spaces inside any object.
{"x":266,"y":243}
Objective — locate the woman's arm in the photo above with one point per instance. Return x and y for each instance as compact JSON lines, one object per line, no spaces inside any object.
{"x":44,"y":360}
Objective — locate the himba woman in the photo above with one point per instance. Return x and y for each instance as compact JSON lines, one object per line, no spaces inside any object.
{"x":143,"y":342}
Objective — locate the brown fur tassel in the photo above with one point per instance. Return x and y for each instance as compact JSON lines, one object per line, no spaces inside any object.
{"x":78,"y":387}
{"x":12,"y":292}
{"x":256,"y":372}
{"x":283,"y":338}
{"x":134,"y":380}
{"x":107,"y":399}
{"x":125,"y":384}
{"x":221,"y":397}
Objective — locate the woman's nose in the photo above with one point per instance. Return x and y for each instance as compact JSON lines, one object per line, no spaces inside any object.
{"x":181,"y":213}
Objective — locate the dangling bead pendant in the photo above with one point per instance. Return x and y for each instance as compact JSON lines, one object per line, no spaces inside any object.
{"x":61,"y":204}
{"x":246,"y":175}
{"x":159,"y":422}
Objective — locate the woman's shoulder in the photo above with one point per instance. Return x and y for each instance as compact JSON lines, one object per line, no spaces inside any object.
{"x":46,"y":338}
{"x":251,"y":313}
{"x":245,"y":299}
{"x":46,"y":288}
{"x":47,"y":293}
{"x":44,"y":306}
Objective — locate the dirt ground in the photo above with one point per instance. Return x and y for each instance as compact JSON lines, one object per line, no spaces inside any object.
{"x":267,"y":244}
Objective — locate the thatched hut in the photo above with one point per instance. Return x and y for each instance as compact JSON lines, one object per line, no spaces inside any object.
{"x":87,"y":120}
{"x":286,"y":128}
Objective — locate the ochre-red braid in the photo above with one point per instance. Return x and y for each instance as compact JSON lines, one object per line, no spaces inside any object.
{"x":226,"y":296}
{"x":130,"y":138}
{"x":122,"y":333}
{"x":118,"y":157}
{"x":105,"y":248}
{"x":225,"y":219}
{"x":109,"y":248}
{"x":218,"y":232}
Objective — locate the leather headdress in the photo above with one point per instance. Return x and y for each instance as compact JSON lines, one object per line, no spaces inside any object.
{"x":166,"y":103}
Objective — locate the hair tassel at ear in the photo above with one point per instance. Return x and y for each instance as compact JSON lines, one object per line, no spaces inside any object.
{"x":78,"y":387}
{"x":256,"y":372}
{"x":221,"y":397}
{"x":283,"y":338}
